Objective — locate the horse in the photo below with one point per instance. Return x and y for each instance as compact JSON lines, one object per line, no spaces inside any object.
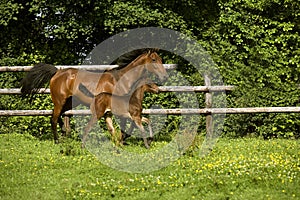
{"x":127,"y":107}
{"x":64,"y":83}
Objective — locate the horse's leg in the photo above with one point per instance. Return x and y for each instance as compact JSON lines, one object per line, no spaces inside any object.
{"x":110,"y":126}
{"x":61,"y":124}
{"x":132,"y":126}
{"x":54,"y":119}
{"x":138,"y":123}
{"x":125,"y":135}
{"x":88,"y":127}
{"x":147,"y":121}
{"x":97,"y":112}
{"x":65,"y":124}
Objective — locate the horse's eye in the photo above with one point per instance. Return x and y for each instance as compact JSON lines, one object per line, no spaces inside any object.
{"x":153,"y":60}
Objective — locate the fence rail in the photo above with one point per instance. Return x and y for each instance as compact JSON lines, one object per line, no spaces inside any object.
{"x":175,"y":111}
{"x":85,"y":67}
{"x":161,"y":89}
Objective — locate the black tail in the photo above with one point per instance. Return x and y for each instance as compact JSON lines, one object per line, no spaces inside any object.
{"x":37,"y":78}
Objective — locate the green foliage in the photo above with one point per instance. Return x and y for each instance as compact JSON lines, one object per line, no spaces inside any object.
{"x":7,"y":11}
{"x":127,"y":15}
{"x":255,"y":45}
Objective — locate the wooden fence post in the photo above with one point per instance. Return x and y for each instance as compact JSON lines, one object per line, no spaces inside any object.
{"x":208,"y":105}
{"x":67,"y":124}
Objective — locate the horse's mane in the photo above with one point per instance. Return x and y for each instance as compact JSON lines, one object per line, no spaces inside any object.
{"x":128,"y":57}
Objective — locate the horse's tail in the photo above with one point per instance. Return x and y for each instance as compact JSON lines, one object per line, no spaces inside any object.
{"x":37,"y":78}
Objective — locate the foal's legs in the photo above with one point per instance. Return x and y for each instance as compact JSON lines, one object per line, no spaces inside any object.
{"x":133,"y":124}
{"x":88,"y":127}
{"x":97,"y":113}
{"x":109,"y":123}
{"x":125,"y":135}
{"x":147,"y":121}
{"x":138,"y":123}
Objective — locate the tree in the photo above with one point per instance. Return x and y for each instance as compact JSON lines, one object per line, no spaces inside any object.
{"x":256,"y":46}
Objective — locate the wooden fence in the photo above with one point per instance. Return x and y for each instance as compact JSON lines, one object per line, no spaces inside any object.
{"x":207,"y":89}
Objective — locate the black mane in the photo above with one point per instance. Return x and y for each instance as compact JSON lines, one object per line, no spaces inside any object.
{"x":128,"y":57}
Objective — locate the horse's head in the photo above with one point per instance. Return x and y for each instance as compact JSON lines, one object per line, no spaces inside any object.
{"x":153,"y":64}
{"x":147,"y":85}
{"x":152,"y":87}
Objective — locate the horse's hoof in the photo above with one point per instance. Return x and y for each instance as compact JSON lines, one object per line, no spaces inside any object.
{"x":56,"y":141}
{"x":82,"y":146}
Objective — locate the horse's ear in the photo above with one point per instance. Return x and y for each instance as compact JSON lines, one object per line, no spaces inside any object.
{"x":149,"y":52}
{"x":152,"y":50}
{"x":155,"y":50}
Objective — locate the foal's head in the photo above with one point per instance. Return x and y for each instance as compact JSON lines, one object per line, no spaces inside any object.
{"x":150,"y":87}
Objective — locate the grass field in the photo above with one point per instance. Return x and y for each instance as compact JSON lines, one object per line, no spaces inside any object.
{"x":236,"y":169}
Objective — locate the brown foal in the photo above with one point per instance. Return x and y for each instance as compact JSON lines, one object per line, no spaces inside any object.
{"x":127,"y":107}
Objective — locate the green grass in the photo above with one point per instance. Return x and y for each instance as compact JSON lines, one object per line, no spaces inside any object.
{"x":236,"y":169}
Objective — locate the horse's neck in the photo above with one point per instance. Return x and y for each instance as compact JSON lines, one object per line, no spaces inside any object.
{"x":138,"y":95}
{"x":127,"y":77}
{"x":137,"y":66}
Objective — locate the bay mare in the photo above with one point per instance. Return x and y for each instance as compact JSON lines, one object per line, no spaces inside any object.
{"x":64,"y":83}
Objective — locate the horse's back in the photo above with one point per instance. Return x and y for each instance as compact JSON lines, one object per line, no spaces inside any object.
{"x":65,"y":83}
